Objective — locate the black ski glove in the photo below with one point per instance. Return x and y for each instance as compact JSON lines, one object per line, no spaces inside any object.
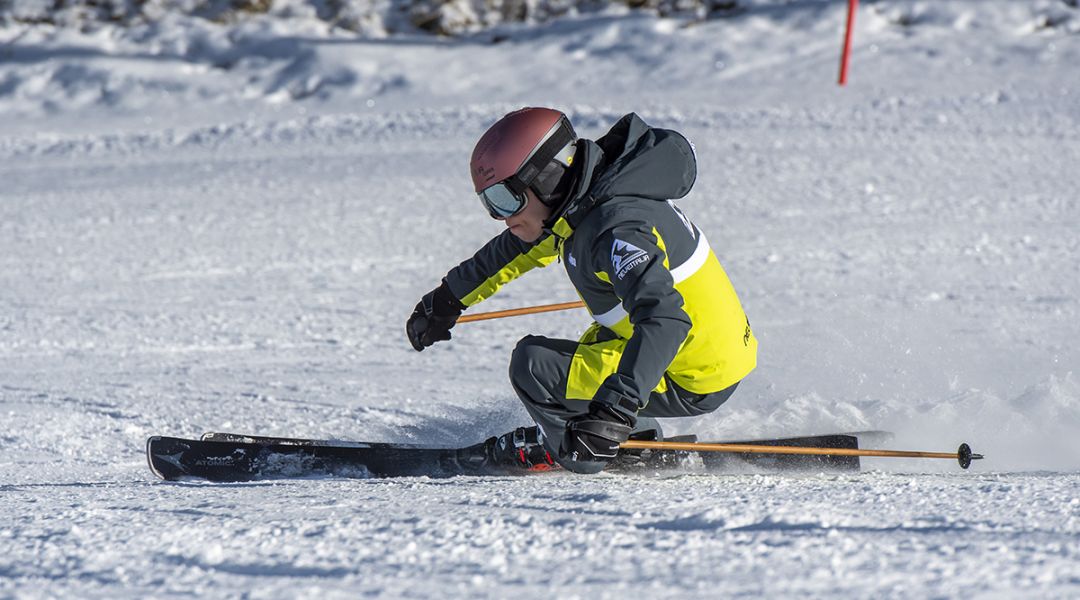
{"x":596,"y":435}
{"x":433,"y":317}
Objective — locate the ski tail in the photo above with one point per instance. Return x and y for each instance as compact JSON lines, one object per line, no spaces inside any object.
{"x":790,"y":462}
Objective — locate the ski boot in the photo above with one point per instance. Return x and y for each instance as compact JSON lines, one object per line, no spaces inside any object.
{"x":519,"y":450}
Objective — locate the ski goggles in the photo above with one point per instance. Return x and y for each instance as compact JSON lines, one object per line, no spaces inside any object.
{"x":501,"y":201}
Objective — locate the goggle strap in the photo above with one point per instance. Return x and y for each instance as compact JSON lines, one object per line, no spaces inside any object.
{"x":551,"y":147}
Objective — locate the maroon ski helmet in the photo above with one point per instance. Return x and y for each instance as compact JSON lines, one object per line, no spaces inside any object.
{"x":519,"y":146}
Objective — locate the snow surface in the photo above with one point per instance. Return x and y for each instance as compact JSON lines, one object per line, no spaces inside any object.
{"x":210,"y":226}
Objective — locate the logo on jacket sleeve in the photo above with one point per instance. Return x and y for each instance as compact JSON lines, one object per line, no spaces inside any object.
{"x":625,"y":256}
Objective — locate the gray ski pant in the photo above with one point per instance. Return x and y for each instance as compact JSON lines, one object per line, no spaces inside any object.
{"x":539,"y":369}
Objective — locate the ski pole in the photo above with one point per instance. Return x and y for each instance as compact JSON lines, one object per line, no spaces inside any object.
{"x":963,"y":455}
{"x":513,"y":312}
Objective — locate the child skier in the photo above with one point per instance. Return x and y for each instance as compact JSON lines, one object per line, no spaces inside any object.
{"x":669,"y":338}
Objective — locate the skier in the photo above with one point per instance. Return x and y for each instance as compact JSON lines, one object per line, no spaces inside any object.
{"x":669,"y":338}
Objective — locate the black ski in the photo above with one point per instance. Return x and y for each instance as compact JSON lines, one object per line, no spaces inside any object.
{"x":239,"y":457}
{"x":826,"y":440}
{"x":712,"y":460}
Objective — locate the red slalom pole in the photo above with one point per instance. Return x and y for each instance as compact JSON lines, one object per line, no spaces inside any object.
{"x":851,"y":6}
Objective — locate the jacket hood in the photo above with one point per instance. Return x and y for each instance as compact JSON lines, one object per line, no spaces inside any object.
{"x":632,"y":159}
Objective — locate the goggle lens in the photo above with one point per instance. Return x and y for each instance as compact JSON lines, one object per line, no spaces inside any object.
{"x":501,"y":202}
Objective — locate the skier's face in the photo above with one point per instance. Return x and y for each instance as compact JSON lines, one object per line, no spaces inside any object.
{"x":528,"y":225}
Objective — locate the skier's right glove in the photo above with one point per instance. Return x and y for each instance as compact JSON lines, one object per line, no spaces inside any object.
{"x":597,"y":434}
{"x":433,"y":317}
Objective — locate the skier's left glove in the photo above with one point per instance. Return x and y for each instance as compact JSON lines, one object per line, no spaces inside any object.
{"x":433,"y":317}
{"x":597,"y":434}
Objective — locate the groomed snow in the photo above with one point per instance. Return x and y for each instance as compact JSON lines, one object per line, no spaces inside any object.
{"x":188,"y":245}
{"x":688,"y":536}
